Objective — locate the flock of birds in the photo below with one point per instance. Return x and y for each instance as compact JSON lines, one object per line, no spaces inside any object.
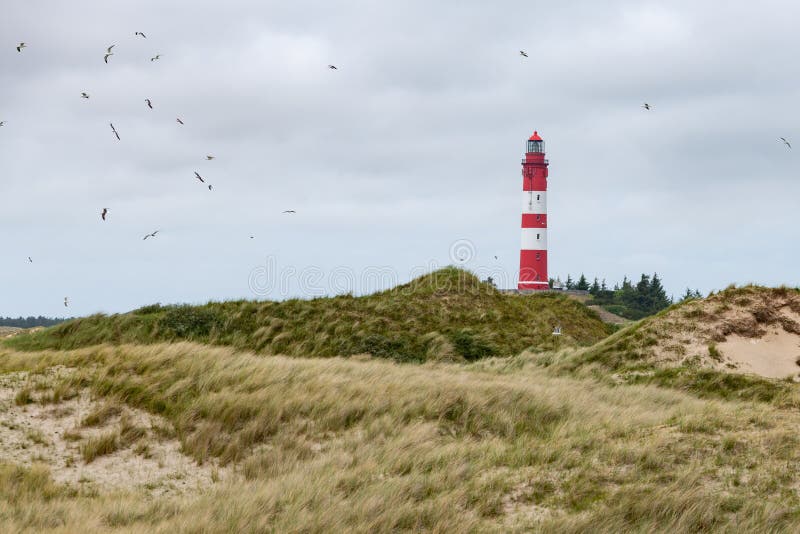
{"x":109,"y":53}
{"x":84,"y":95}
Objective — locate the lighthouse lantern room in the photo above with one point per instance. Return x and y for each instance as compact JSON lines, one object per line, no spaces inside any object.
{"x":533,"y":253}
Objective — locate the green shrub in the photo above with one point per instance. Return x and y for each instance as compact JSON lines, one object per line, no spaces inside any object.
{"x":472,"y":346}
{"x":150,"y":309}
{"x":190,"y":322}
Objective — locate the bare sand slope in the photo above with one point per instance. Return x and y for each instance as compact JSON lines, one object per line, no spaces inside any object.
{"x":749,"y":329}
{"x":774,"y":355}
{"x":43,"y":420}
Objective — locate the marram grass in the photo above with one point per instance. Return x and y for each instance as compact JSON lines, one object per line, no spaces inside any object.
{"x":446,"y":315}
{"x":335,"y":445}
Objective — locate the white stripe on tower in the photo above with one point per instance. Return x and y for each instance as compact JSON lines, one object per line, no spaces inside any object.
{"x":534,"y":202}
{"x":533,"y":249}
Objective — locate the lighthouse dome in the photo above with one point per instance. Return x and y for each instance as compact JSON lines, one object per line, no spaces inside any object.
{"x":535,"y":144}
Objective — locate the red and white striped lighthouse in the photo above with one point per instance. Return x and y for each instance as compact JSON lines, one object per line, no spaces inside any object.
{"x":533,"y":253}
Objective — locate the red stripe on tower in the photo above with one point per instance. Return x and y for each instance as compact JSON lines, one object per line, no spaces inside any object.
{"x":533,"y":253}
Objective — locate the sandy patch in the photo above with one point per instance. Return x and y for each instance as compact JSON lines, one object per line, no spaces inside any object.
{"x":51,"y":433}
{"x":9,"y":331}
{"x":773,"y":355}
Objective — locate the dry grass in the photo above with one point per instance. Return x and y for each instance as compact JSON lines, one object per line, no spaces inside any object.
{"x":105,"y":443}
{"x":371,"y":446}
{"x":101,"y":415}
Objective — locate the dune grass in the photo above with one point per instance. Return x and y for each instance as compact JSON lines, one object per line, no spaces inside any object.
{"x":322,"y":445}
{"x":446,"y":315}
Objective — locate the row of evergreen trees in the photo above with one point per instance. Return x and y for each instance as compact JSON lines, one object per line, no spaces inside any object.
{"x":627,"y":299}
{"x":30,"y":322}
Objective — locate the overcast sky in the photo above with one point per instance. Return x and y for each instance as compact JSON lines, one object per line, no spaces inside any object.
{"x":410,"y":149}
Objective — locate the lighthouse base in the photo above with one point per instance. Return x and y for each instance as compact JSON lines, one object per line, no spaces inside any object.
{"x":533,"y":286}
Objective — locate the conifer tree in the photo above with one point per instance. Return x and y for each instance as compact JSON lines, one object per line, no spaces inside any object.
{"x":583,"y":283}
{"x":658,"y":296}
{"x":595,"y":289}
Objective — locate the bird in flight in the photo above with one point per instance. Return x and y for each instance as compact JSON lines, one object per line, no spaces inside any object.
{"x":495,"y":257}
{"x":84,"y":95}
{"x":289,"y":211}
{"x":66,"y":301}
{"x":150,"y":235}
{"x":143,"y":36}
{"x":179,"y":120}
{"x":785,"y":142}
{"x":157,"y":56}
{"x":30,"y":260}
{"x":522,"y":53}
{"x":149,"y":104}
{"x":209,"y":158}
{"x":199,"y":177}
{"x":20,"y":47}
{"x":2,"y":123}
{"x":332,"y":67}
{"x":109,"y":53}
{"x":115,"y":131}
{"x":104,"y":213}
{"x":646,"y":106}
{"x":209,"y":187}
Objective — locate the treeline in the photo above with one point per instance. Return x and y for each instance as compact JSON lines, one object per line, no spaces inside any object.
{"x":629,"y":300}
{"x":30,"y":322}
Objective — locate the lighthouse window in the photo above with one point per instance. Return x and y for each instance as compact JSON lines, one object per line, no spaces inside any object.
{"x":538,"y":256}
{"x":537,"y":236}
{"x":537,"y":197}
{"x":538,"y":217}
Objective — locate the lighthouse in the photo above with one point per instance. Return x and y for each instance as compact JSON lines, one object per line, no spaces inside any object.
{"x":533,"y":252}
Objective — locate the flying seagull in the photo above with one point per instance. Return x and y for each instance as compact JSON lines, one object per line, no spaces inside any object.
{"x":209,"y":187}
{"x":646,"y":106}
{"x":522,"y":53}
{"x":150,"y":235}
{"x":157,"y":56}
{"x":179,"y":120}
{"x":332,"y":67}
{"x":84,"y":95}
{"x":209,"y":158}
{"x":66,"y":302}
{"x":2,"y":123}
{"x":149,"y":104}
{"x":109,"y":53}
{"x":289,"y":211}
{"x":143,"y":36}
{"x":785,"y":142}
{"x":199,"y":177}
{"x":115,"y":131}
{"x":104,"y":213}
{"x":20,"y":47}
{"x":30,"y":260}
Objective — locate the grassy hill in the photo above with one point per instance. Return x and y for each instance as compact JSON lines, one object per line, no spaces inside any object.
{"x":729,"y":344}
{"x":574,"y":439}
{"x":448,"y":314}
{"x":317,"y":445}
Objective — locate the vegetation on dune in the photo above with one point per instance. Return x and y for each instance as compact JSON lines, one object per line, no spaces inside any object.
{"x":448,"y":314}
{"x":370,"y":446}
{"x":677,"y":347}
